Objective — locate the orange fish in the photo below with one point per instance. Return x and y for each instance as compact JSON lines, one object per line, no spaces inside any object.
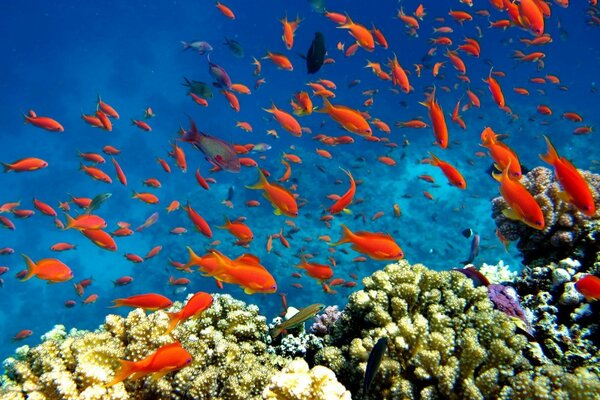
{"x":399,"y":77}
{"x":523,"y":206}
{"x":48,"y":269}
{"x":576,"y":190}
{"x":96,"y":173}
{"x":149,"y":198}
{"x":226,"y":11}
{"x":85,"y":221}
{"x":103,"y":118}
{"x":199,"y":222}
{"x":170,"y":357}
{"x":107,"y":109}
{"x":62,"y":246}
{"x":245,"y":271}
{"x":501,"y":153}
{"x":438,"y":121}
{"x":286,"y":120}
{"x":46,"y":123}
{"x":320,"y":272}
{"x":455,"y":178}
{"x":234,"y":103}
{"x":531,"y":17}
{"x":363,"y":36}
{"x":350,"y":119}
{"x":148,"y":301}
{"x":346,"y":199}
{"x":378,"y":246}
{"x":303,"y":104}
{"x":142,"y":125}
{"x":289,"y":29}
{"x":280,"y":60}
{"x":282,"y":199}
{"x":100,"y":238}
{"x":25,"y":165}
{"x":589,"y":286}
{"x":199,"y":302}
{"x":239,"y":230}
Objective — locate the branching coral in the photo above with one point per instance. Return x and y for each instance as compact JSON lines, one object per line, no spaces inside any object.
{"x":566,"y":227}
{"x":227,"y":343}
{"x":446,"y":340}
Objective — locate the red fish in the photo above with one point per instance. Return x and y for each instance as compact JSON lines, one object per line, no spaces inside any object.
{"x":589,"y":286}
{"x":148,"y":301}
{"x":48,"y":269}
{"x":239,"y":230}
{"x":25,"y":165}
{"x":46,"y":123}
{"x":523,"y":206}
{"x":195,"y":305}
{"x":282,"y":199}
{"x":455,"y":178}
{"x":346,"y":199}
{"x":577,"y":191}
{"x":320,"y":272}
{"x":168,"y":358}
{"x":438,"y":121}
{"x":199,"y":222}
{"x":378,"y":246}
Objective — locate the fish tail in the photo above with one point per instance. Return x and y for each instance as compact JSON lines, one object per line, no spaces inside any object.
{"x":262,"y":181}
{"x":185,"y":45}
{"x":7,"y":167}
{"x":31,"y":268}
{"x":488,"y":137}
{"x":194,"y":258}
{"x":173,"y":321}
{"x":434,"y":160}
{"x":70,"y":222}
{"x":127,"y":368}
{"x":346,"y":236}
{"x":551,"y":156}
{"x":276,"y":331}
{"x":327,"y":107}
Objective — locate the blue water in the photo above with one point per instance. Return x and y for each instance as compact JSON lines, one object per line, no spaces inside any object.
{"x":57,"y":56}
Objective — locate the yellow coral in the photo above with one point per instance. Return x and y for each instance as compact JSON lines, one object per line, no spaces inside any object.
{"x":297,"y":382}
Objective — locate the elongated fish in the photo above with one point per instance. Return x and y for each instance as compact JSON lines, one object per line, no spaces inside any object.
{"x":474,"y":250}
{"x":375,"y":357}
{"x":299,"y":318}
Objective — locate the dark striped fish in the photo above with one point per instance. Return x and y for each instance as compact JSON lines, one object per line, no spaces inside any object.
{"x":375,"y":357}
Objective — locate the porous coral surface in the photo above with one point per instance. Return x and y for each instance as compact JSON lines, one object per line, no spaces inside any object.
{"x":446,"y":341}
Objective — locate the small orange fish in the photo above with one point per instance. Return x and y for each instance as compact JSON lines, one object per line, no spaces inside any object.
{"x":363,"y":36}
{"x":438,"y":121}
{"x":46,"y":123}
{"x":501,"y":153}
{"x":455,"y":178}
{"x":350,"y":119}
{"x":25,"y":165}
{"x":289,"y":29}
{"x":282,"y":199}
{"x":280,"y":60}
{"x":378,"y":246}
{"x":320,"y":272}
{"x":239,"y":230}
{"x":148,"y":301}
{"x":199,"y":302}
{"x":286,"y":120}
{"x":577,"y":191}
{"x":346,"y":199}
{"x":168,"y":358}
{"x":226,"y":11}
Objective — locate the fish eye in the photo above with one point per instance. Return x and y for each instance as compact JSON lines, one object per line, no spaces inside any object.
{"x":189,"y":360}
{"x":539,"y":223}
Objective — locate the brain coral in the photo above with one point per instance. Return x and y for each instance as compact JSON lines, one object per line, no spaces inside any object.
{"x":227,"y":343}
{"x":567,"y":230}
{"x":446,"y":341}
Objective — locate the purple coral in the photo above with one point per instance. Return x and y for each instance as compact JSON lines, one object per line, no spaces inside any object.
{"x":506,"y":300}
{"x":324,"y":321}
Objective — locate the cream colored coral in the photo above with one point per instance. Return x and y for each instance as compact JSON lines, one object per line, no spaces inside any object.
{"x":297,"y":382}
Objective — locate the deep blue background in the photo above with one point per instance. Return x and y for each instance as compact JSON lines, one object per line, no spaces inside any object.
{"x":57,"y":56}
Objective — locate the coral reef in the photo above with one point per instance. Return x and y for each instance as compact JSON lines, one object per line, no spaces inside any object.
{"x":324,"y":321}
{"x":296,"y":342}
{"x":297,"y":382}
{"x":227,"y":343}
{"x":567,"y":230}
{"x":498,"y":273}
{"x":566,"y":326}
{"x":446,"y":340}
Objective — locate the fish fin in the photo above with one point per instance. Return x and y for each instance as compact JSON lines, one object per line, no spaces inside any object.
{"x":327,"y":107}
{"x":277,"y":211}
{"x":497,"y":176}
{"x":346,"y":236}
{"x":7,"y":167}
{"x":249,"y":291}
{"x":511,"y":214}
{"x":157,"y":375}
{"x":70,"y":221}
{"x":173,"y":322}
{"x":347,"y":211}
{"x":551,"y":157}
{"x":127,"y":368}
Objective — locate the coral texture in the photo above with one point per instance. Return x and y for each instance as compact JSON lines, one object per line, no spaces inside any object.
{"x":566,"y":228}
{"x":566,"y":325}
{"x":297,"y":382}
{"x":227,"y":343}
{"x":446,"y":340}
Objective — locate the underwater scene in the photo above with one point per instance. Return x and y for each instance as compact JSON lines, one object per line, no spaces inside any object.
{"x":319,"y":199}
